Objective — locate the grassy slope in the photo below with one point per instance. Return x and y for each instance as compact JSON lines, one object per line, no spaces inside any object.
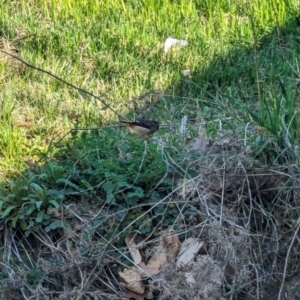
{"x":114,"y":49}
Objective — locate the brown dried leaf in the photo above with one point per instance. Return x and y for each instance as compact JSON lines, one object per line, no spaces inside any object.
{"x":25,"y":124}
{"x":129,"y":295}
{"x":197,"y":144}
{"x":132,"y":246}
{"x":158,"y":259}
{"x":171,"y":241}
{"x":189,"y":249}
{"x":132,"y":280}
{"x":167,"y":249}
{"x":54,"y":212}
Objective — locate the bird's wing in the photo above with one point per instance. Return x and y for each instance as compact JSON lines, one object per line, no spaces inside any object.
{"x":142,"y":127}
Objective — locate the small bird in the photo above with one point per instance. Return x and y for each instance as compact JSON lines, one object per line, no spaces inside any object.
{"x":142,"y":127}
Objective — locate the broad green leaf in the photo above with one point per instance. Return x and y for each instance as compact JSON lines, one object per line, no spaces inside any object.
{"x":108,"y":187}
{"x":124,"y":184}
{"x":137,"y":192}
{"x":54,"y":203}
{"x":38,"y":204}
{"x":110,"y":199}
{"x":68,"y":183}
{"x":15,"y":220}
{"x":29,"y":210}
{"x":86,"y":184}
{"x":37,"y":188}
{"x":7,"y":211}
{"x":40,"y":215}
{"x":54,"y":225}
{"x":23,"y":224}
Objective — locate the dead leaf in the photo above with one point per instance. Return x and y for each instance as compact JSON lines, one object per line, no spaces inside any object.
{"x":189,"y":249}
{"x":167,"y":250}
{"x":132,"y":246}
{"x":130,"y":294}
{"x":25,"y":124}
{"x":54,"y":212}
{"x":172,"y":242}
{"x":197,"y":144}
{"x":157,"y":260}
{"x":132,"y":280}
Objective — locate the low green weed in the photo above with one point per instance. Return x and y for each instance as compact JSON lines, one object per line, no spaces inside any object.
{"x":102,"y":167}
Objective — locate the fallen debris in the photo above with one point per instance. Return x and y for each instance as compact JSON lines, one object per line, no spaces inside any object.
{"x":170,"y":42}
{"x":168,"y":250}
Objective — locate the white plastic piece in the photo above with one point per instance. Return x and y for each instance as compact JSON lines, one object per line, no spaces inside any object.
{"x":170,"y":42}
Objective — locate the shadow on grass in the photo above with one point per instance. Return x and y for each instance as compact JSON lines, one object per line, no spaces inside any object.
{"x":67,"y":218}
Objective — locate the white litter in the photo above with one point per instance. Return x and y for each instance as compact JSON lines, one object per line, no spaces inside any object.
{"x":170,"y":42}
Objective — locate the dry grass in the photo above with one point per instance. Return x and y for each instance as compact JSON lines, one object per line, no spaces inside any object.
{"x":243,"y":208}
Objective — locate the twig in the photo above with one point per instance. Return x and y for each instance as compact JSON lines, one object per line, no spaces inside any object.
{"x":286,"y":260}
{"x":63,"y":81}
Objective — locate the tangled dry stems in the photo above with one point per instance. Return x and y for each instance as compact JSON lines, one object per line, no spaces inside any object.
{"x":245,"y":211}
{"x":247,"y":215}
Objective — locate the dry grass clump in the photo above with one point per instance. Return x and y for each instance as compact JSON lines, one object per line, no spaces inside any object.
{"x":245,"y":217}
{"x":44,"y":266}
{"x":207,"y":282}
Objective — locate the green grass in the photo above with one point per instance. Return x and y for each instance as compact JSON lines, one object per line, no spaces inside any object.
{"x":114,"y":49}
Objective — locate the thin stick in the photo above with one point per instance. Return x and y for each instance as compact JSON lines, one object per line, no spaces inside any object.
{"x":287,"y":258}
{"x":63,"y":81}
